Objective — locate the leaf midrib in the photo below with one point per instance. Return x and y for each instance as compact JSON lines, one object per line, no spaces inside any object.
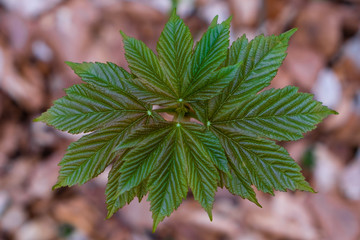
{"x":204,"y":60}
{"x":267,"y":117}
{"x":250,"y":150}
{"x":151,"y":155}
{"x":99,"y":112}
{"x":243,"y":79}
{"x":115,"y":88}
{"x":112,"y":139}
{"x":261,"y":175}
{"x":172,"y":173}
{"x":161,"y":80}
{"x":176,"y":47}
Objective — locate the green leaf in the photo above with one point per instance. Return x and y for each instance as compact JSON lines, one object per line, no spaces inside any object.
{"x":158,"y":153}
{"x":240,"y":186}
{"x":260,"y":60}
{"x":214,"y":22}
{"x":115,"y":202}
{"x":87,"y":108}
{"x":281,"y":114}
{"x":211,"y":143}
{"x":238,"y":51}
{"x":268,"y":166}
{"x":175,"y":49}
{"x":213,"y":85}
{"x":101,"y":74}
{"x":91,"y":154}
{"x":150,"y":76}
{"x":140,"y":161}
{"x":201,"y":109}
{"x":202,"y":174}
{"x":209,"y":53}
{"x":168,"y":184}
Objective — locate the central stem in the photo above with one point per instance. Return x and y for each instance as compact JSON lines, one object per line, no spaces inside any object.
{"x":181,"y":110}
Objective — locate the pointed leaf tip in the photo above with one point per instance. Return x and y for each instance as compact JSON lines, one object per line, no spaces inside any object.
{"x":71,"y":64}
{"x":38,"y":119}
{"x":109,"y":215}
{"x":333,"y":112}
{"x":56,"y":186}
{"x":156,"y":222}
{"x":257,"y":203}
{"x":227,"y":21}
{"x":214,"y":22}
{"x":42,"y":118}
{"x":154,"y":227}
{"x":289,"y":33}
{"x":124,"y":35}
{"x":209,"y":212}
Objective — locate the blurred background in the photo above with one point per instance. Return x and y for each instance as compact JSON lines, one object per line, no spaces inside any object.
{"x":37,"y":36}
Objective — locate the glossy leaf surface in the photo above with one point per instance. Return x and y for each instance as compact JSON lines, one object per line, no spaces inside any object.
{"x":219,"y":130}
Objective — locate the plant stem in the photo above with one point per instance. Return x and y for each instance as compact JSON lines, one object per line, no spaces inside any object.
{"x":174,"y":5}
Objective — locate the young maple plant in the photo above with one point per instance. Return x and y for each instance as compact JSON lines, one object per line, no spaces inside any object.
{"x":222,"y":130}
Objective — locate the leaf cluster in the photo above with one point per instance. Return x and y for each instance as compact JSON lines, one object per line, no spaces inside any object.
{"x":222,"y":130}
